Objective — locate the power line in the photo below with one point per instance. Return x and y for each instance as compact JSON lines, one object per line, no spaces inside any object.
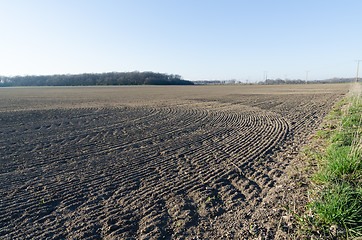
{"x":357,"y":70}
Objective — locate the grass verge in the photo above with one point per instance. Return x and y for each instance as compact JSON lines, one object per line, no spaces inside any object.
{"x":335,"y":207}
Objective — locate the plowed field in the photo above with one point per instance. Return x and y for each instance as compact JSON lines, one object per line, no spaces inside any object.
{"x":185,"y":162}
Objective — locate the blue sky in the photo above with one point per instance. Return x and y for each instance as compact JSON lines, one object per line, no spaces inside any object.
{"x":198,"y":39}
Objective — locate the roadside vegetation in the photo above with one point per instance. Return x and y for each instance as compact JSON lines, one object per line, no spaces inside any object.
{"x":335,"y":207}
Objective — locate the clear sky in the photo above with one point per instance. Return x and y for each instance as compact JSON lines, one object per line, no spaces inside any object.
{"x":197,"y":39}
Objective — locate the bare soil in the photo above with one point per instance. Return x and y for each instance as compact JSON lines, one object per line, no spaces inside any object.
{"x":176,"y":162}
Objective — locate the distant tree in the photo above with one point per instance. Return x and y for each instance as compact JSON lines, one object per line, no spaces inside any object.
{"x":87,"y":79}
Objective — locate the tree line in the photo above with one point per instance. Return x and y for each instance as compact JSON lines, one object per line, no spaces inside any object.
{"x":93,"y":79}
{"x":299,"y":81}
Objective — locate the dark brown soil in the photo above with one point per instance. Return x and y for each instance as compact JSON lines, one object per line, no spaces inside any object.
{"x":188,"y":162}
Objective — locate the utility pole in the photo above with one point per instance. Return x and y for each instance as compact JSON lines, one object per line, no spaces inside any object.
{"x":357,"y":70}
{"x":306,"y":77}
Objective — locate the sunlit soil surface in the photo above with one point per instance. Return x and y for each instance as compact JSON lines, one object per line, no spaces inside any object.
{"x":150,"y":162}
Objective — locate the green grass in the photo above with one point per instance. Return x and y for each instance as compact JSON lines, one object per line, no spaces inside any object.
{"x":337,"y":197}
{"x":340,"y":204}
{"x":340,"y":164}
